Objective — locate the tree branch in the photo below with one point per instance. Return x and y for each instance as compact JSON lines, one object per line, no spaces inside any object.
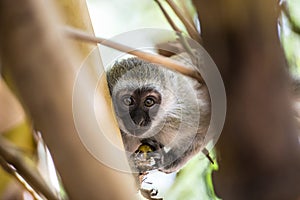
{"x":189,"y":27}
{"x":165,"y":62}
{"x":9,"y":155}
{"x":179,"y":33}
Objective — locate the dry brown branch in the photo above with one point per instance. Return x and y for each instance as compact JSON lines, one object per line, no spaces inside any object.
{"x":179,"y":33}
{"x":189,"y":27}
{"x":9,"y":155}
{"x":166,"y":62}
{"x":167,"y":16}
{"x":186,"y":12}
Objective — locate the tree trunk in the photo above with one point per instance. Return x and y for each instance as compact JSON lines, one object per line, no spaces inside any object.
{"x":44,"y":69}
{"x":258,"y":150}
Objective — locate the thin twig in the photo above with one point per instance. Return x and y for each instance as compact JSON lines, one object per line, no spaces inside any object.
{"x":189,"y":27}
{"x":5,"y":166}
{"x":12,"y":171}
{"x":186,"y":12}
{"x":179,"y":33}
{"x":10,"y":155}
{"x":167,"y":16}
{"x":165,"y":62}
{"x":28,"y":187}
{"x":206,"y":153}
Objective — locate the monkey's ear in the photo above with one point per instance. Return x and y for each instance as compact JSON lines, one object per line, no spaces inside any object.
{"x":206,"y":153}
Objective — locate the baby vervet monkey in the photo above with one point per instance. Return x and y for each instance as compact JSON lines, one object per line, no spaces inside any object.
{"x":163,"y":115}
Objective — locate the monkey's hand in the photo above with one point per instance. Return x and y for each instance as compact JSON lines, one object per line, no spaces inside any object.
{"x":147,"y":157}
{"x":150,"y":194}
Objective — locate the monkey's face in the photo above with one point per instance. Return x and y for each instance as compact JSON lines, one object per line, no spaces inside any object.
{"x":138,"y":114}
{"x":137,"y":109}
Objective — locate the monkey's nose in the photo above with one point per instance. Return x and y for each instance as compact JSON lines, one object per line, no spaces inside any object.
{"x":140,"y":121}
{"x":138,"y":118}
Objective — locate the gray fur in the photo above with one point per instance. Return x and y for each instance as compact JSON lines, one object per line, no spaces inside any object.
{"x":176,"y":126}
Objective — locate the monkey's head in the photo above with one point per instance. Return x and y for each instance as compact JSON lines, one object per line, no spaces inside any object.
{"x":140,"y":95}
{"x":152,"y":104}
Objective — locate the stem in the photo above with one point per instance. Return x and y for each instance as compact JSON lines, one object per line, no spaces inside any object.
{"x":10,"y":155}
{"x":165,"y":62}
{"x":189,"y":27}
{"x":179,"y":33}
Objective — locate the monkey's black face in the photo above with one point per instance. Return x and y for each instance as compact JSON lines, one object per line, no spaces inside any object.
{"x":137,"y":109}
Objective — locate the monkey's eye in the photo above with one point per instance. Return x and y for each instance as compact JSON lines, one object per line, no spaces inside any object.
{"x":128,"y":100}
{"x":149,"y":102}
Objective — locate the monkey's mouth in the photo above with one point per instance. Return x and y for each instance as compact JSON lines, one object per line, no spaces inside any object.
{"x":149,"y":156}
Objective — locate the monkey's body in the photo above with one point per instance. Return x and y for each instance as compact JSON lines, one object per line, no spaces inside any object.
{"x":159,"y":107}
